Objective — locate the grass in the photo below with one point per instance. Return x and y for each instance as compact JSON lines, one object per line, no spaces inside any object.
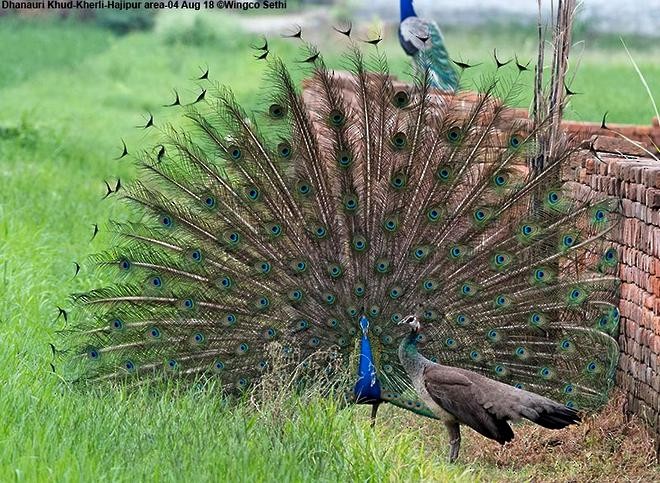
{"x":68,"y":93}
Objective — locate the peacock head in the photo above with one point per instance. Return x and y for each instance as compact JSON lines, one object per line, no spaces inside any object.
{"x":407,"y":9}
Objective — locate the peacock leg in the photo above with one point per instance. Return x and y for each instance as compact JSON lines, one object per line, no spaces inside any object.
{"x":454,"y":439}
{"x":374,"y":410}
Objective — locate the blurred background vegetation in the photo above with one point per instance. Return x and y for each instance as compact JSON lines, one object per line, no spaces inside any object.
{"x":71,"y":87}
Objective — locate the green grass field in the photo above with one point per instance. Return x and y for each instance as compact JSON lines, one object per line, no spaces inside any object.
{"x":68,"y":93}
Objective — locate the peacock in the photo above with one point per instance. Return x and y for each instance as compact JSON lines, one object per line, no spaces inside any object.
{"x":321,"y":221}
{"x":423,"y":41}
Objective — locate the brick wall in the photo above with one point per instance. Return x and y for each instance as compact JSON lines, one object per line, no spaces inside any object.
{"x":635,"y":179}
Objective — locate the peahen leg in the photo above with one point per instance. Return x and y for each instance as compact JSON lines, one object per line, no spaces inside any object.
{"x":454,"y":439}
{"x":374,"y":410}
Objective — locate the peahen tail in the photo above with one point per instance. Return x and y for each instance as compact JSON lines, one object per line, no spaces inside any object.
{"x":320,"y":221}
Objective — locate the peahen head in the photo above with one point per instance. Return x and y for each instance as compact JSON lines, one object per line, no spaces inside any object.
{"x":407,"y":9}
{"x":413,"y":322}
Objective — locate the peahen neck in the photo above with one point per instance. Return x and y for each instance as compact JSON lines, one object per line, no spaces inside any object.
{"x":407,"y":10}
{"x":412,"y":361}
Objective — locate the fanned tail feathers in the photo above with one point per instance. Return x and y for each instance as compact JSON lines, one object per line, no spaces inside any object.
{"x":364,"y":195}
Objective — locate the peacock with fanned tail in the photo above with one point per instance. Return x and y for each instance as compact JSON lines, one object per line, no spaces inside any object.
{"x":322,"y":222}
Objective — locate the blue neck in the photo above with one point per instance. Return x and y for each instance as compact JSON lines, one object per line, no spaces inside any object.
{"x":367,"y":387}
{"x":407,"y":9}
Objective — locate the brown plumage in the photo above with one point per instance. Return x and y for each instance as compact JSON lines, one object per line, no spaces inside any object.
{"x":458,"y":396}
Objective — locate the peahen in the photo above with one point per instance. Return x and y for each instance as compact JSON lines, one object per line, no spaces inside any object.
{"x":422,"y":40}
{"x":458,"y":396}
{"x":319,"y":223}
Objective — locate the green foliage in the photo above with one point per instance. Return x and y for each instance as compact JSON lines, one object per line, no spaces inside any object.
{"x":124,"y":21}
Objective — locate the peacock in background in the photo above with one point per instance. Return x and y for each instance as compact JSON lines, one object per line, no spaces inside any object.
{"x":321,"y":222}
{"x":422,"y":40}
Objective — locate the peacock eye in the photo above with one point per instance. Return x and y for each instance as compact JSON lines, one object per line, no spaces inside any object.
{"x":304,"y":188}
{"x":515,"y":141}
{"x":337,"y":118}
{"x":235,"y":152}
{"x":401,"y":99}
{"x":443,"y":174}
{"x":276,"y":111}
{"x":344,"y":158}
{"x":399,"y":181}
{"x":454,"y":134}
{"x":399,"y":141}
{"x":253,"y":193}
{"x":284,"y":150}
{"x":210,"y":201}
